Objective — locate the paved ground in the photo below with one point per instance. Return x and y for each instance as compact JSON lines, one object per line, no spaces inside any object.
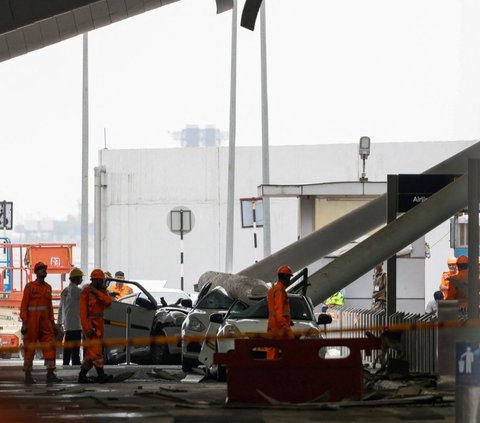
{"x":145,"y":398}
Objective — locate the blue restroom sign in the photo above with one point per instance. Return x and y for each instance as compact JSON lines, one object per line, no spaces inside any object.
{"x":467,"y":364}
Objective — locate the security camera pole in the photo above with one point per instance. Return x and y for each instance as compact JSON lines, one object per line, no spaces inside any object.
{"x":364,"y":151}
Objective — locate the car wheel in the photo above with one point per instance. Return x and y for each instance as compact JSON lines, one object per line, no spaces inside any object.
{"x":188,"y":364}
{"x":159,"y":352}
{"x":221,"y":373}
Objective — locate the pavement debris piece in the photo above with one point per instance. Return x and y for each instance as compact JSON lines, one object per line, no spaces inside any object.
{"x":387,"y":385}
{"x":162,"y":374}
{"x":410,"y":390}
{"x":193,"y":378}
{"x":322,"y":398}
{"x":422,"y":399}
{"x":172,"y":389}
{"x":120,"y":377}
{"x":178,"y":399}
{"x":374,"y":395}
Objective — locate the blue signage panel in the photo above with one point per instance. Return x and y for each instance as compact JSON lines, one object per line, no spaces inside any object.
{"x":468,"y":364}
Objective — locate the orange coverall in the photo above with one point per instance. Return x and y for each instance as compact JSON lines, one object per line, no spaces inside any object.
{"x":92,"y":305}
{"x":36,"y":311}
{"x":449,"y":290}
{"x":123,"y":291}
{"x":462,"y":277}
{"x":279,"y":319}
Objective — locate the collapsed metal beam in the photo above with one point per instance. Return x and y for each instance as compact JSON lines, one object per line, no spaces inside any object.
{"x":347,"y":228}
{"x":388,"y":240}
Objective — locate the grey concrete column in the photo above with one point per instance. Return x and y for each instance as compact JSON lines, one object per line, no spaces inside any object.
{"x":473,"y":197}
{"x":446,"y":339}
{"x":392,"y":193}
{"x":265,"y":135}
{"x":85,"y":141}
{"x":232,"y":133}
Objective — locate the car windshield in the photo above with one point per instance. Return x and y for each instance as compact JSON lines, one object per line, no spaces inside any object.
{"x":215,"y":300}
{"x":299,"y":310}
{"x":169,"y":297}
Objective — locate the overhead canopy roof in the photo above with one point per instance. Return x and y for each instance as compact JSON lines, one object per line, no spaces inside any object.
{"x":325,"y":189}
{"x":27,"y":25}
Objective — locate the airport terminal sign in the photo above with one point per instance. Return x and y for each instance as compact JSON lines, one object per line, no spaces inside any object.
{"x":415,"y":189}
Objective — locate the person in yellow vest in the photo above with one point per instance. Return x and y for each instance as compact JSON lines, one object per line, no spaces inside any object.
{"x":335,"y":300}
{"x":119,"y":289}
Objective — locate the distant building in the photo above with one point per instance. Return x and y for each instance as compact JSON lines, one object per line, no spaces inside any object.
{"x":194,"y":136}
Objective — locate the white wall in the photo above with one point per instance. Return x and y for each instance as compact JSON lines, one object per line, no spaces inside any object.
{"x":144,"y":185}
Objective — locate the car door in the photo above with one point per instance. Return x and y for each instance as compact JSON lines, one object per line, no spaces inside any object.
{"x":141,"y":314}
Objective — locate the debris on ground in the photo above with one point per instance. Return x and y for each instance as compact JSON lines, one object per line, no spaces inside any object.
{"x":408,"y":391}
{"x":163,"y":374}
{"x":193,"y":378}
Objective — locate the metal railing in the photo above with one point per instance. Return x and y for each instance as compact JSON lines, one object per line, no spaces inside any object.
{"x":419,"y":347}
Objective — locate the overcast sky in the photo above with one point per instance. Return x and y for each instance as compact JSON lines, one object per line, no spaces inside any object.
{"x":404,"y":70}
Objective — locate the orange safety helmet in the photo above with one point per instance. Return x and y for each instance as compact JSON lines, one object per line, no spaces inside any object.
{"x":38,"y":265}
{"x":462,"y":260}
{"x":97,"y":274}
{"x":285,"y":270}
{"x":452,"y":260}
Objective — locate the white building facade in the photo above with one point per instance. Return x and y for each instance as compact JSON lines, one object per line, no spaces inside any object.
{"x":138,"y":189}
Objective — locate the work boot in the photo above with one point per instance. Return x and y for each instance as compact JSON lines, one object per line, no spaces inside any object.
{"x":84,"y":379}
{"x":82,"y":376}
{"x":52,"y":378}
{"x":29,"y":380}
{"x":104,"y":378}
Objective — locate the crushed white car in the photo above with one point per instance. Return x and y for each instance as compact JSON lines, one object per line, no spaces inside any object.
{"x":243,"y":321}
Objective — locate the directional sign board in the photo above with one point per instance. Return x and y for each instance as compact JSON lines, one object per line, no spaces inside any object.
{"x":180,"y":220}
{"x":6,"y":215}
{"x":415,"y":189}
{"x":247,"y":207}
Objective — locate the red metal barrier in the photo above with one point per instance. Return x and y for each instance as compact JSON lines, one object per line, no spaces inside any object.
{"x":299,"y":375}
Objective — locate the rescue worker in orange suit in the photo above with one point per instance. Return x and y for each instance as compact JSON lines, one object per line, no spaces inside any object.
{"x":119,"y":289}
{"x":460,"y":281}
{"x":279,"y":318}
{"x":38,"y":324}
{"x":448,"y":289}
{"x":93,"y":300}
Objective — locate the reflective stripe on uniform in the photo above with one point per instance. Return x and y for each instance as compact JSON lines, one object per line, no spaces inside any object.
{"x":95,"y":314}
{"x":37,"y":308}
{"x":286,"y":313}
